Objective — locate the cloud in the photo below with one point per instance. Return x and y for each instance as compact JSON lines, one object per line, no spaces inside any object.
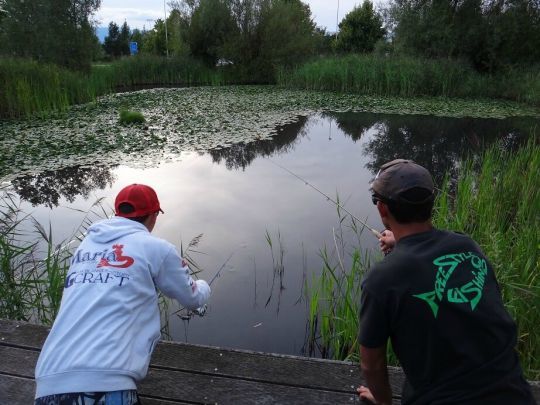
{"x":135,"y":17}
{"x":139,"y":11}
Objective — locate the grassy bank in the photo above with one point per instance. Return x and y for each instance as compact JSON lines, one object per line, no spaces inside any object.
{"x":28,"y":87}
{"x":495,"y":201}
{"x":411,"y":77}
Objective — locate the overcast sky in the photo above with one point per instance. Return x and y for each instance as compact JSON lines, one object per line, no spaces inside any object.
{"x":138,"y":13}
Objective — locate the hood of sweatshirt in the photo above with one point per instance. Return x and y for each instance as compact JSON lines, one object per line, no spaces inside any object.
{"x":110,"y":230}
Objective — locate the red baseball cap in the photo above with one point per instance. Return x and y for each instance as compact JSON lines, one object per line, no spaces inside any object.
{"x":142,"y":198}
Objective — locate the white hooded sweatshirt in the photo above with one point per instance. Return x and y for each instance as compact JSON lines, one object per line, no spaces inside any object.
{"x":109,"y":321}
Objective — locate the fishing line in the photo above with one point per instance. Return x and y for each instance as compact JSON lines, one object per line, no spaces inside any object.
{"x":373,"y":231}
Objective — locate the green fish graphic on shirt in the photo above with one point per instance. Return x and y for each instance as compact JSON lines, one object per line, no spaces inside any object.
{"x":470,"y":292}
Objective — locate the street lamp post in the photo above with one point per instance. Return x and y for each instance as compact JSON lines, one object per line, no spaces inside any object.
{"x":166,"y":35}
{"x":337,"y":18}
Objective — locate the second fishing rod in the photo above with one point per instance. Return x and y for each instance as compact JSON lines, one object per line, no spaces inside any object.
{"x":376,"y":233}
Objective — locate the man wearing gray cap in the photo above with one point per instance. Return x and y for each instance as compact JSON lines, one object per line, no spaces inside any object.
{"x":435,"y":296}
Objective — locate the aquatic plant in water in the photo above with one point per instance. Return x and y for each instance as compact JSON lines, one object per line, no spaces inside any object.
{"x":194,"y":119}
{"x":128,"y":117}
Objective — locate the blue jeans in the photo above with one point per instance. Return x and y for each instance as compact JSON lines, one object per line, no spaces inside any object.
{"x":91,"y":398}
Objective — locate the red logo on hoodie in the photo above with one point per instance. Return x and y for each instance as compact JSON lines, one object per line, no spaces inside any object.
{"x":124,"y":261}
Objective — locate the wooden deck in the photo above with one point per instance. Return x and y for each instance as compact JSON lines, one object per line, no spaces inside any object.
{"x":191,"y":374}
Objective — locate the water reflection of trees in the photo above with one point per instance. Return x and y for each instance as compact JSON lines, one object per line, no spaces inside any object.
{"x":48,"y":187}
{"x":241,"y":155}
{"x":354,"y":124}
{"x":437,"y":143}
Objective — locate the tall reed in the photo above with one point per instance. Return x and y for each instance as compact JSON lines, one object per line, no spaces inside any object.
{"x":32,"y":266}
{"x":28,"y":87}
{"x":410,"y":77}
{"x":334,"y":294}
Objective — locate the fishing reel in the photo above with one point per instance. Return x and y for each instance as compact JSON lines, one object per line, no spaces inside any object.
{"x":201,"y":311}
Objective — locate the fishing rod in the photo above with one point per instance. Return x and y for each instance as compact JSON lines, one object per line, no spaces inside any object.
{"x":201,"y":311}
{"x":377,"y":234}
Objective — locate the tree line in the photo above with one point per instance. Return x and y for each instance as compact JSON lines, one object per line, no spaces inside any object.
{"x":256,"y":37}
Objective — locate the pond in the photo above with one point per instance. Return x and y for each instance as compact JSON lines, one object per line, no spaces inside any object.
{"x":239,"y":195}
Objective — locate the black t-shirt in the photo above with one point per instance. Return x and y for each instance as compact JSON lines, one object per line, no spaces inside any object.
{"x":436,"y":297}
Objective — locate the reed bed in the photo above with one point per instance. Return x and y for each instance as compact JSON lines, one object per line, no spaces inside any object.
{"x":410,"y":77}
{"x":28,"y":87}
{"x":495,"y":199}
{"x":32,"y":266}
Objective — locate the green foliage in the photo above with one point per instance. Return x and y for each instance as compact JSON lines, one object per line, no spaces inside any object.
{"x":488,"y":34}
{"x":496,"y":202}
{"x":116,"y":42}
{"x":57,"y":32}
{"x":360,"y":30}
{"x":154,"y":40}
{"x":130,"y":117}
{"x":212,"y":25}
{"x":286,"y":31}
{"x":178,"y":26}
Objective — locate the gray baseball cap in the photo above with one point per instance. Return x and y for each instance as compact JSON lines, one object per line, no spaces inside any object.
{"x":397,"y":177}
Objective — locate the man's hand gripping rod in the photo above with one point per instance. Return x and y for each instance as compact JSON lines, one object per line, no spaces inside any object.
{"x":201,"y":311}
{"x":373,"y":231}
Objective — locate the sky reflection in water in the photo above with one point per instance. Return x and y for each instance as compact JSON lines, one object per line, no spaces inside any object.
{"x":234,"y":195}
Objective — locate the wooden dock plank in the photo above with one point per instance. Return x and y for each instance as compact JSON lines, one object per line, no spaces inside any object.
{"x":16,"y":361}
{"x":199,"y":388}
{"x":209,"y":389}
{"x":185,"y":374}
{"x":287,"y":370}
{"x":15,"y":390}
{"x":256,"y":366}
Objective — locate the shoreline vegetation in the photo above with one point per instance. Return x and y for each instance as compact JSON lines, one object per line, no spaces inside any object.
{"x":495,"y":200}
{"x":29,"y":88}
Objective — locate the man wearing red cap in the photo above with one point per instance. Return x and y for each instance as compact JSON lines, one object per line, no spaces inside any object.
{"x":436,"y":298}
{"x":108,"y":323}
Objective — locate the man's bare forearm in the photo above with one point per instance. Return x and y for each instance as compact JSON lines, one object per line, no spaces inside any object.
{"x":378,"y":384}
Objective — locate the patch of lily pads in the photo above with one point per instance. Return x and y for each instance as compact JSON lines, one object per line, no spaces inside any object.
{"x":196,"y":119}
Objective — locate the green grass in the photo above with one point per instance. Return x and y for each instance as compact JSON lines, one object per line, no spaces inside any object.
{"x":496,"y":201}
{"x":411,"y":77}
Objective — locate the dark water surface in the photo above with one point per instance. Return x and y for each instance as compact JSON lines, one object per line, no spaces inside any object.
{"x":234,"y":196}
